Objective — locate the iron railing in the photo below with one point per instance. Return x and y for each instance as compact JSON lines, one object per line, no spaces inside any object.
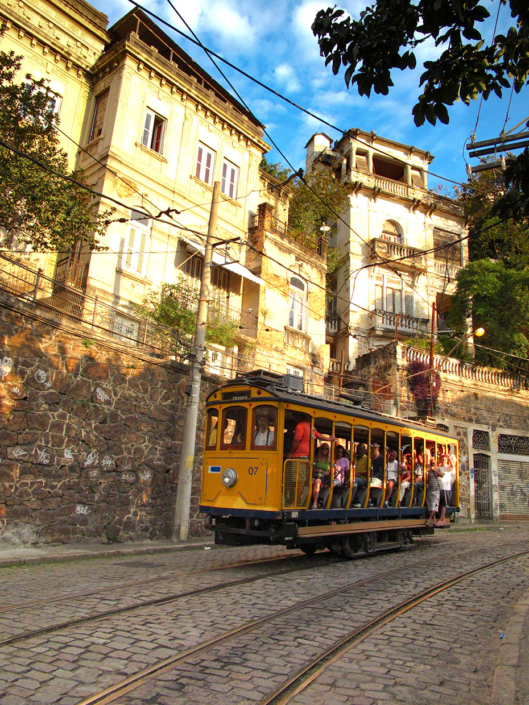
{"x":67,"y":302}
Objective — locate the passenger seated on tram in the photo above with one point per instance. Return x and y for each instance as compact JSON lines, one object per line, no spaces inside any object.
{"x":392,"y":471}
{"x":418,"y":479}
{"x":320,"y":472}
{"x":262,"y":434}
{"x":361,"y":469}
{"x":341,"y":477}
{"x":405,"y":479}
{"x":377,"y":474}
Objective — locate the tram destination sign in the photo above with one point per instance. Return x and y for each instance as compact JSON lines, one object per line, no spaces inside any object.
{"x":235,"y":396}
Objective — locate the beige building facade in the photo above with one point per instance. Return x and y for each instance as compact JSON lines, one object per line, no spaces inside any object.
{"x":153,"y":131}
{"x":391,"y":271}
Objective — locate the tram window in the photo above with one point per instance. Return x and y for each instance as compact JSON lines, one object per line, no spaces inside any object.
{"x":360,"y":437}
{"x":264,"y":425}
{"x":430,"y":458}
{"x":234,"y":427}
{"x":212,"y":429}
{"x":378,"y":438}
{"x":392,"y":441}
{"x":342,"y":432}
{"x":418,"y":472}
{"x":322,"y":426}
{"x":291,"y":421}
{"x":406,"y":457}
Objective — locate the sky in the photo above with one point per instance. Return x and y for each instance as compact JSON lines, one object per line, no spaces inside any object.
{"x":272,"y":40}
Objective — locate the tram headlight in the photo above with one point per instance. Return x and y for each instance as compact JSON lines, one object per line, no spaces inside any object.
{"x":229,"y":477}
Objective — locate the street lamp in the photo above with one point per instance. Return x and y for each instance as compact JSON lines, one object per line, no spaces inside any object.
{"x":479,"y":333}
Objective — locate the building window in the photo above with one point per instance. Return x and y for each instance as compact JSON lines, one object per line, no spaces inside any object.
{"x":480,"y":440}
{"x":295,"y":371}
{"x":297,"y":305}
{"x":513,"y":445}
{"x":391,"y":231}
{"x":99,"y":116}
{"x":136,"y":244}
{"x":451,"y":254}
{"x":205,"y":163}
{"x":153,"y":131}
{"x":230,"y":178}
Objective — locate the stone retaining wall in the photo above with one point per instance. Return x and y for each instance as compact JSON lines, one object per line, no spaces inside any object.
{"x":89,"y":437}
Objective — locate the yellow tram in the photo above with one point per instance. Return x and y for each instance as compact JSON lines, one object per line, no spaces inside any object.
{"x":263,"y":440}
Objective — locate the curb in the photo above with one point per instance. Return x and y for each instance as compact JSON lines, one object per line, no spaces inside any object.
{"x":508,"y":661}
{"x":110,"y":553}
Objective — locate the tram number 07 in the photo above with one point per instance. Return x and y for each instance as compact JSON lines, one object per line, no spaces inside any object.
{"x":253,"y":470}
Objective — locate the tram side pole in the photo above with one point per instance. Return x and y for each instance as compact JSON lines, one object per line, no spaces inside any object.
{"x":187,"y":453}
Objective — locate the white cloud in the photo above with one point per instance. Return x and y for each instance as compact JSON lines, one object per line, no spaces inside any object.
{"x":286,"y":76}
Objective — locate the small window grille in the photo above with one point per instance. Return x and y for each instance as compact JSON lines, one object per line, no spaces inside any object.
{"x":513,"y":445}
{"x":480,"y":440}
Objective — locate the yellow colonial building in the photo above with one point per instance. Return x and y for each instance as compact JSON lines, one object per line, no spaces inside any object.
{"x":152,"y":130}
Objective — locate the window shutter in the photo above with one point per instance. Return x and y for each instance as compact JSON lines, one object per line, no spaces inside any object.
{"x":233,"y":176}
{"x":141,"y":253}
{"x":223,"y":182}
{"x":207,"y":170}
{"x":157,"y":137}
{"x":147,"y":128}
{"x":130,"y":247}
{"x":199,"y":162}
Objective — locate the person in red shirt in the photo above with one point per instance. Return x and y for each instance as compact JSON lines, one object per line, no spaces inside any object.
{"x":302,"y":437}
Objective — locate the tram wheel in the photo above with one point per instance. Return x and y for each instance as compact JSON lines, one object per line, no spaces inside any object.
{"x":350,"y":546}
{"x":309,"y":549}
{"x":370,"y":540}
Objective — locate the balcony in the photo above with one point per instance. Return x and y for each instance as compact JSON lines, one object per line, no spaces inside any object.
{"x":442,"y":269}
{"x":394,"y":251}
{"x":383,"y":321}
{"x":332,"y":324}
{"x":71,"y":273}
{"x":296,"y":339}
{"x":245,"y":321}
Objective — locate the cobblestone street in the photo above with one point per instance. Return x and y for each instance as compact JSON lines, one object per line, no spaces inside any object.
{"x":228,"y":626}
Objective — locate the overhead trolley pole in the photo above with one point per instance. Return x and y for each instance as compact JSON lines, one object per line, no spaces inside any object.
{"x":187,"y":453}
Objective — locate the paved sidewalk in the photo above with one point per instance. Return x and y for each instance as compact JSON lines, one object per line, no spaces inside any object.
{"x":73,"y":552}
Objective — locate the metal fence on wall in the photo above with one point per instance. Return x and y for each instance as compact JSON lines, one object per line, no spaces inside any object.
{"x":72,"y":304}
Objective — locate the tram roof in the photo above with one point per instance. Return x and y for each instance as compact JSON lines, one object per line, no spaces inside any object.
{"x":275,"y":384}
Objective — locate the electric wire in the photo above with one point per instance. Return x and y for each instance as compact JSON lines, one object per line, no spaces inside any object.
{"x":274,"y":92}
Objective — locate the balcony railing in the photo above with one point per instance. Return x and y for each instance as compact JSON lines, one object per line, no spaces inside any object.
{"x":73,"y":307}
{"x":224,"y":312}
{"x":386,"y":320}
{"x":71,"y":273}
{"x":296,"y":339}
{"x":443,"y":269}
{"x":332,"y":324}
{"x":457,"y":368}
{"x":395,"y":251}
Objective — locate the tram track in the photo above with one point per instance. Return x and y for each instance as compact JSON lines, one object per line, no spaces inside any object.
{"x":164,"y":600}
{"x":156,"y":602}
{"x":295,"y":683}
{"x":141,"y":583}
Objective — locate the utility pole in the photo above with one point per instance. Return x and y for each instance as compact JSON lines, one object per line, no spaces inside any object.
{"x":431,"y":370}
{"x":187,"y":453}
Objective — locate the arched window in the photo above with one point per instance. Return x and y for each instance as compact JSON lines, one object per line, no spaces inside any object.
{"x":297,"y":304}
{"x":391,"y":231}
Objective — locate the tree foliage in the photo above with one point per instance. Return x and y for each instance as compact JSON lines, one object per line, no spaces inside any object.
{"x":277,"y":170}
{"x":313,"y":205}
{"x":491,"y":237}
{"x":495,"y":296}
{"x":385,"y":38}
{"x":424,"y":385}
{"x":175,"y":306}
{"x":38,"y":208}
